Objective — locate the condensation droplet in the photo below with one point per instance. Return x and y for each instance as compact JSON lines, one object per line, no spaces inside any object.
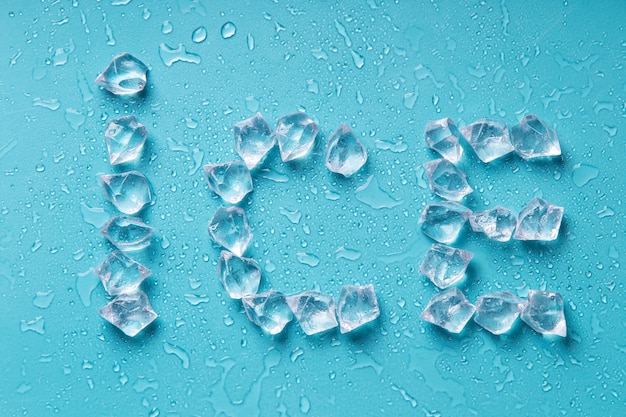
{"x":228,"y":30}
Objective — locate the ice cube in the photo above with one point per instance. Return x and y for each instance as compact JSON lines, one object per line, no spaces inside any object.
{"x":497,"y":223}
{"x":497,"y":312}
{"x":125,"y":75}
{"x":125,"y":138}
{"x":444,"y":220}
{"x":229,"y":228}
{"x":532,"y":138}
{"x":489,"y":139}
{"x":127,"y":233}
{"x":443,"y":136}
{"x":446,"y":180}
{"x":345,"y":154}
{"x":314,"y":311}
{"x":268,"y":310}
{"x":129,"y":192}
{"x":296,"y":135}
{"x":130,"y":313}
{"x":357,"y":305}
{"x":543,"y":312}
{"x":444,"y":265}
{"x":120,"y":274}
{"x":253,"y":139}
{"x":449,"y":309}
{"x":539,"y":220}
{"x":231,"y":180}
{"x":241,"y":277}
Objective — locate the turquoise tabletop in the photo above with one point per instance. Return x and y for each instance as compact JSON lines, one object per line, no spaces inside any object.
{"x":284,"y":170}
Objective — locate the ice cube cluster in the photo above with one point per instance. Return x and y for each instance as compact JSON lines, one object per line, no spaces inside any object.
{"x":129,"y":192}
{"x":232,"y":181}
{"x":443,"y":221}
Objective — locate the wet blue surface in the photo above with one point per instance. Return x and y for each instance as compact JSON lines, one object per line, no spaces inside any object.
{"x":383,"y":68}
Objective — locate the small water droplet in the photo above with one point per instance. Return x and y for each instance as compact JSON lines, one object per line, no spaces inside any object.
{"x":199,"y":35}
{"x":250,"y":42}
{"x":228,"y":30}
{"x":167,"y":27}
{"x":358,"y":59}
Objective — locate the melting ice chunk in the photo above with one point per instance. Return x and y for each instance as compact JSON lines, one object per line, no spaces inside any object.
{"x":532,"y":138}
{"x":253,"y":139}
{"x":125,"y":75}
{"x":449,"y":309}
{"x":444,"y":220}
{"x":295,"y":134}
{"x":268,"y":310}
{"x":125,"y":138}
{"x":489,"y":139}
{"x":231,"y":180}
{"x":443,"y":136}
{"x":241,"y":277}
{"x":446,"y":180}
{"x":543,"y":312}
{"x":498,"y":223}
{"x":229,"y":228}
{"x":357,"y":305}
{"x":497,"y":312}
{"x":129,"y":192}
{"x":120,"y":274}
{"x":345,"y":154}
{"x":314,"y":311}
{"x":444,"y":265}
{"x":127,"y":233}
{"x":131,"y":313}
{"x":539,"y":220}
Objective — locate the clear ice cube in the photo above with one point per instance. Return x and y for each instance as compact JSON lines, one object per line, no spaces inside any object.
{"x":127,"y":233}
{"x":229,"y":228}
{"x":129,"y":192}
{"x":240,"y":277}
{"x":497,"y":223}
{"x":543,"y":312}
{"x":539,"y":220}
{"x":489,"y":139}
{"x":125,"y":138}
{"x":131,"y":313}
{"x":449,"y":309}
{"x":356,"y":306}
{"x":125,"y":75}
{"x":121,"y":274}
{"x":443,"y":137}
{"x":446,"y":180}
{"x":443,"y":221}
{"x":497,"y":312}
{"x":296,"y":135}
{"x":444,"y":265}
{"x":253,"y":140}
{"x":314,"y":311}
{"x":268,"y":310}
{"x":345,"y":154}
{"x":231,"y":180}
{"x":532,"y":138}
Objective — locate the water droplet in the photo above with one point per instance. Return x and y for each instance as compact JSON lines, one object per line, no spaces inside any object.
{"x":250,"y":42}
{"x":178,"y":352}
{"x":167,"y":27}
{"x":307,"y":259}
{"x":371,"y":194}
{"x":357,"y":58}
{"x":37,"y":325}
{"x":43,"y":299}
{"x":228,"y":30}
{"x":252,"y":104}
{"x":169,"y":56}
{"x":199,"y":35}
{"x":305,"y":404}
{"x":584,"y":173}
{"x":51,"y":104}
{"x":75,"y":118}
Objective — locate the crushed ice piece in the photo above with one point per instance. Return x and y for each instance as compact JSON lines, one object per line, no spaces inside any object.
{"x":253,"y":140}
{"x":121,"y":274}
{"x":532,"y":138}
{"x":268,"y":310}
{"x":240,"y":277}
{"x":443,"y":136}
{"x":539,"y":220}
{"x":127,"y":233}
{"x":449,"y":309}
{"x":231,"y":180}
{"x":443,"y":221}
{"x":446,"y":180}
{"x":489,"y":139}
{"x":444,"y":265}
{"x":497,"y":223}
{"x":356,"y":306}
{"x":314,"y":311}
{"x":543,"y":312}
{"x":130,"y":313}
{"x":125,"y":75}
{"x":345,"y":154}
{"x":229,"y":228}
{"x":129,"y":192}
{"x":125,"y":138}
{"x":296,"y":135}
{"x":497,"y":312}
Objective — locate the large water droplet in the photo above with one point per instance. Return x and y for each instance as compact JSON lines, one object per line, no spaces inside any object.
{"x":199,"y":35}
{"x":228,"y":30}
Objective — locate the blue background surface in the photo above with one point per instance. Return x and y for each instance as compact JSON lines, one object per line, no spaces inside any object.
{"x":420,"y":61}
